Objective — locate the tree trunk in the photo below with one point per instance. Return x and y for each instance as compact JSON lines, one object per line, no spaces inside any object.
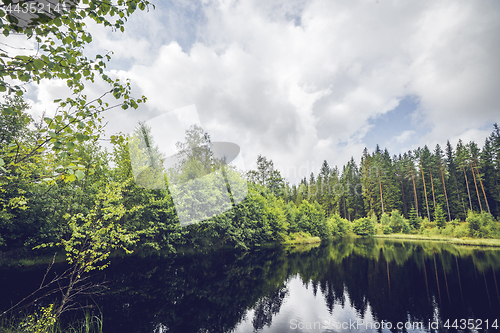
{"x":381,"y":198}
{"x":432,"y":186}
{"x":477,"y":191}
{"x":404,"y":200}
{"x":467,"y":184}
{"x":414,"y":191}
{"x":458,"y":194}
{"x":485,"y":198}
{"x":444,"y":189}
{"x":425,"y":191}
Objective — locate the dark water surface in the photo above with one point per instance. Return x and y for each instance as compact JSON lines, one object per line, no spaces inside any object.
{"x":364,"y":285}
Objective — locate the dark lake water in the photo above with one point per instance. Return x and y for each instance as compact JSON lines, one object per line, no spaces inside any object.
{"x":364,"y":285}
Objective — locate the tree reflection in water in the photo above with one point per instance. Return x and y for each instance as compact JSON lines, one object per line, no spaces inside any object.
{"x":223,"y":291}
{"x":268,"y":306}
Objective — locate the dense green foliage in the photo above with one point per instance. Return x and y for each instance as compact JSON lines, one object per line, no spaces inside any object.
{"x":58,"y":36}
{"x":271,"y":212}
{"x":439,"y":185}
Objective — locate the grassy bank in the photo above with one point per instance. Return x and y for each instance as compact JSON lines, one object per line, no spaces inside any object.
{"x":441,"y":238}
{"x":300,"y":238}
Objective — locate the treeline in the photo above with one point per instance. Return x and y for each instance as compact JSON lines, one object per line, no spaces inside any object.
{"x":457,"y":180}
{"x":408,"y":193}
{"x":47,"y":196}
{"x":88,"y":194}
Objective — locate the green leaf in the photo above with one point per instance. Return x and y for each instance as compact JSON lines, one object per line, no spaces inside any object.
{"x":69,"y":178}
{"x":38,"y":63}
{"x":70,"y":145}
{"x":79,"y":174}
{"x":9,"y":111}
{"x":2,"y":163}
{"x":2,"y":88}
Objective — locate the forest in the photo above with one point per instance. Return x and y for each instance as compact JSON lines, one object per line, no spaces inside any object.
{"x":52,"y":199}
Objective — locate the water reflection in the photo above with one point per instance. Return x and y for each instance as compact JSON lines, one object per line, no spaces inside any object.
{"x":306,"y":289}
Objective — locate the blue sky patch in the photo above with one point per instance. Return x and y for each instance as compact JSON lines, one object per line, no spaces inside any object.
{"x":387,"y":127}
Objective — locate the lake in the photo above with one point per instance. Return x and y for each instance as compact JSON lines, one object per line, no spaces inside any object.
{"x":350,"y":285}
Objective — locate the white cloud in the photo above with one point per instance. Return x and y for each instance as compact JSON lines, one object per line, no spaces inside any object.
{"x":455,"y":64}
{"x":405,"y":136}
{"x":300,"y":81}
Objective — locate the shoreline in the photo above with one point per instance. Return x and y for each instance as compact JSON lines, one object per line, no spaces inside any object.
{"x":486,"y":242}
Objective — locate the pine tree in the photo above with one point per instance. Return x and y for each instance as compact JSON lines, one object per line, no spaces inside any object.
{"x":265,"y":168}
{"x":312,"y":191}
{"x":325,"y":171}
{"x":332,"y":205}
{"x":473,"y":151}
{"x":411,"y":165}
{"x":493,"y":183}
{"x":368,"y":179}
{"x":399,"y":164}
{"x":353,"y":191}
{"x":439,"y":217}
{"x":490,"y":175}
{"x":420,"y":154}
{"x":439,"y":157}
{"x":413,"y":218}
{"x":462,"y":160}
{"x":457,"y":204}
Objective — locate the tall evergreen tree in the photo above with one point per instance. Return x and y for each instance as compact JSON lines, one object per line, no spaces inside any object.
{"x":422,"y":156}
{"x":414,"y":175}
{"x":439,"y":217}
{"x":457,"y":204}
{"x":493,"y":183}
{"x":438,"y":153}
{"x":462,"y":157}
{"x":473,"y":151}
{"x":369,"y":180}
{"x":490,"y":175}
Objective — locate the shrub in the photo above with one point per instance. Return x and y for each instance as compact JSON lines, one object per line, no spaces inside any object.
{"x":311,"y":219}
{"x":424,"y":224}
{"x":363,"y":226}
{"x":439,"y":216}
{"x":482,"y":225}
{"x":414,"y":220}
{"x":384,"y":219}
{"x":461,"y":231}
{"x":338,"y":226}
{"x":448,"y":230}
{"x":291,"y":212}
{"x":398,"y":223}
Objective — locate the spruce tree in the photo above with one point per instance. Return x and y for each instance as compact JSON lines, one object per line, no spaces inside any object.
{"x":439,"y":216}
{"x":457,"y":191}
{"x":413,"y":218}
{"x":438,"y":153}
{"x":490,"y":175}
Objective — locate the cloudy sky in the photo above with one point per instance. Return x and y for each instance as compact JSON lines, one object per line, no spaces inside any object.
{"x":304,"y":81}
